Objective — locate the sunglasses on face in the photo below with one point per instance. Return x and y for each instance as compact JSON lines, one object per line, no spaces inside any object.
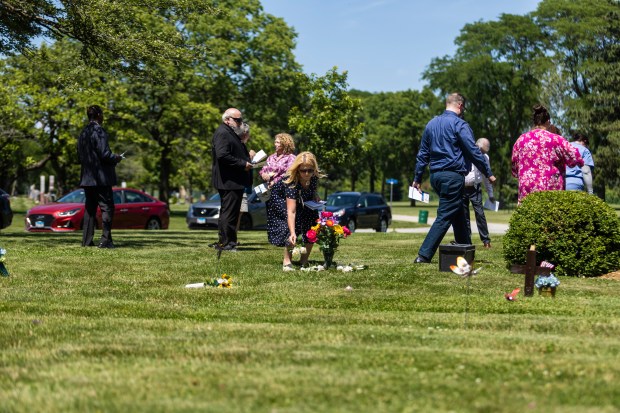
{"x":238,"y":120}
{"x":306,"y":171}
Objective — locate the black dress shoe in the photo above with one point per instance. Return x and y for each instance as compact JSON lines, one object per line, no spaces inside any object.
{"x":421,"y":260}
{"x":231,"y":246}
{"x":106,"y":245}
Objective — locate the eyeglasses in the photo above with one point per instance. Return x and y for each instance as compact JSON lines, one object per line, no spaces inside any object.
{"x":306,"y":171}
{"x":238,"y":120}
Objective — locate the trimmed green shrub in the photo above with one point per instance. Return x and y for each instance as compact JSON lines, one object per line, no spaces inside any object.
{"x":577,"y":232}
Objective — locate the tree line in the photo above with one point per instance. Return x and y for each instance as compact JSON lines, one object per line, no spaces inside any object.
{"x":165,"y":71}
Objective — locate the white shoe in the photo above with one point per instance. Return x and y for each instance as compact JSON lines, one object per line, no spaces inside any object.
{"x":288,"y":267}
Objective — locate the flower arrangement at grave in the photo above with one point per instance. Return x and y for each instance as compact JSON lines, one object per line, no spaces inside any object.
{"x":547,"y":284}
{"x":3,"y":271}
{"x":327,"y":233}
{"x":225,"y":281}
{"x":550,"y":281}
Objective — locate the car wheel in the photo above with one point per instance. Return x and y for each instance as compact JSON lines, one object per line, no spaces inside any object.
{"x":383,"y":226}
{"x":153,"y":223}
{"x":246,"y":222}
{"x":352,"y":225}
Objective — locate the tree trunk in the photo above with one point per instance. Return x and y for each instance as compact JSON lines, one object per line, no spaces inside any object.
{"x":373,"y":176}
{"x":164,"y":173}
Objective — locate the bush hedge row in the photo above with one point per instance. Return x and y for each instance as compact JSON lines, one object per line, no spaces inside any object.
{"x":577,"y":232}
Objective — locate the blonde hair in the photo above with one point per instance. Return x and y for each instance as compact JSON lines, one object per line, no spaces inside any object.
{"x":286,"y":140}
{"x":304,"y":158}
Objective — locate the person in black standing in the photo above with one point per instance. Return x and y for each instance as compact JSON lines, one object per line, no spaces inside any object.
{"x":229,"y":175}
{"x":97,"y":177}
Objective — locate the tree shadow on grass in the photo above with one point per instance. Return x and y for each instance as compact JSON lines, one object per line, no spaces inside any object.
{"x":131,"y":239}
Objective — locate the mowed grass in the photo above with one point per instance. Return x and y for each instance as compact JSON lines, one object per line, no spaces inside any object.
{"x":83,"y":329}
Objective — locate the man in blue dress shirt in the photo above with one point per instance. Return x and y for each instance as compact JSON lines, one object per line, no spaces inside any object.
{"x":448,"y":149}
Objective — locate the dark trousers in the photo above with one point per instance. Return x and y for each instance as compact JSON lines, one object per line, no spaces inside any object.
{"x":229,"y":214}
{"x":97,"y":196}
{"x":450,"y":212}
{"x":473,"y":194}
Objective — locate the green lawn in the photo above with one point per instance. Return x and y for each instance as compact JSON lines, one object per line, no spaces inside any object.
{"x":85,"y":330}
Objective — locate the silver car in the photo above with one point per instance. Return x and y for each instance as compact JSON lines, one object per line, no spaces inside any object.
{"x":206,"y":214}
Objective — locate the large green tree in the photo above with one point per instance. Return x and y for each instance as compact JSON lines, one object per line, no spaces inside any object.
{"x":327,"y":123}
{"x":50,"y":112}
{"x":249,"y":65}
{"x":393,"y":126}
{"x":248,"y":62}
{"x":114,"y":34}
{"x":15,"y":136}
{"x":584,"y":43}
{"x":164,"y":124}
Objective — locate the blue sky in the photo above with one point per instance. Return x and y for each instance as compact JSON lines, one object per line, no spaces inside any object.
{"x":384,"y":45}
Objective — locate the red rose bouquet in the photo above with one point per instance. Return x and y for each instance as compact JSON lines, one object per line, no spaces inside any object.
{"x":327,"y":234}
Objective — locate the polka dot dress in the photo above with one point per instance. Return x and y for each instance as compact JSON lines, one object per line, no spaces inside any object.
{"x":277,"y":226}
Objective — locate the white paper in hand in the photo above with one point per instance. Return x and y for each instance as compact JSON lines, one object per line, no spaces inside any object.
{"x":259,"y":156}
{"x":418,"y":195}
{"x":261,"y":189}
{"x":263,"y":192}
{"x":493,"y":206}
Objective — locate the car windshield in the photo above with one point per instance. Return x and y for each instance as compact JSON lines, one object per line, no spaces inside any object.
{"x":73,"y":197}
{"x":341,"y":200}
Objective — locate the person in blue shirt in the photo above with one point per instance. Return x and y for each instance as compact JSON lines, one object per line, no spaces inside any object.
{"x":448,"y":149}
{"x":580,"y":178}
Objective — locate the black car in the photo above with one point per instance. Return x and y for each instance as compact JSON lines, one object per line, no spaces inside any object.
{"x":6,"y":214}
{"x":360,"y":210}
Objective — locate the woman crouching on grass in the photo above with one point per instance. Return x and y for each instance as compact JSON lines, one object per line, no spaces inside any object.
{"x":287,"y":216}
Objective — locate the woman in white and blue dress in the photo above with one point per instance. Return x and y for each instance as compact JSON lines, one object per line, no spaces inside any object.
{"x":287,"y":217}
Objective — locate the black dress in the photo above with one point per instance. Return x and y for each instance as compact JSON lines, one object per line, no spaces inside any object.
{"x":277,"y":225}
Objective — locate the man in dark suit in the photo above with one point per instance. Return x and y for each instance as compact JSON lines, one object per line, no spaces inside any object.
{"x":229,"y":175}
{"x":97,"y":177}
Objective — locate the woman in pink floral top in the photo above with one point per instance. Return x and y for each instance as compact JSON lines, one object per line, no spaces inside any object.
{"x":539,"y":157}
{"x":278,"y":163}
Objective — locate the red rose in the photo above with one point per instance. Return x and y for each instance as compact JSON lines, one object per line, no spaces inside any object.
{"x":311,"y":236}
{"x":346,"y":231}
{"x":327,"y":214}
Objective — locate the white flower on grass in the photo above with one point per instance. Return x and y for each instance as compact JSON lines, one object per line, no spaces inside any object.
{"x":297,"y":252}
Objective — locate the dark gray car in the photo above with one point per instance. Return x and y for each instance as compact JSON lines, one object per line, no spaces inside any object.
{"x":206,"y":214}
{"x":360,"y":210}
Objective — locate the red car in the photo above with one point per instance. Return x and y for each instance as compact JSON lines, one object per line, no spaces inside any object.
{"x":133,"y":209}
